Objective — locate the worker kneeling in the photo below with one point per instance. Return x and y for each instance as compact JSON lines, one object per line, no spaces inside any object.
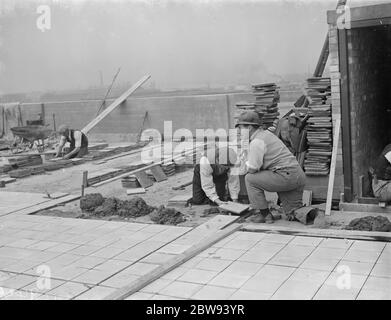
{"x":212,"y":174}
{"x":270,"y":167}
{"x":78,"y":143}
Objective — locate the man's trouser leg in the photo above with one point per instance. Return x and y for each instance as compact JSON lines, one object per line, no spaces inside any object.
{"x":199,"y":196}
{"x":220,"y":185}
{"x":288,"y":183}
{"x":82,"y":152}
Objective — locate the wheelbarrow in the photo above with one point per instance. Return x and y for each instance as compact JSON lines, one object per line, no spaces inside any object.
{"x":28,"y":136}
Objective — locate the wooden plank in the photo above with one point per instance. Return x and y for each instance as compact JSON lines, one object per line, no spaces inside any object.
{"x":367,"y":200}
{"x":357,"y":14}
{"x":114,"y":105}
{"x":143,"y":179}
{"x":323,"y":233}
{"x":7,"y":179}
{"x":345,"y":114}
{"x":183,"y":185}
{"x":173,"y":263}
{"x":135,"y":191}
{"x":332,"y":167}
{"x":158,"y":173}
{"x":180,"y":200}
{"x":364,"y":207}
{"x":56,"y":195}
{"x":47,"y":205}
{"x":234,"y":207}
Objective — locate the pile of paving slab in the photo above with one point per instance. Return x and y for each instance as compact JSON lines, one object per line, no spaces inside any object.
{"x":16,"y":166}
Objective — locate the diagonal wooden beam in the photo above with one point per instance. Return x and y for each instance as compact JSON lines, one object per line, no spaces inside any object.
{"x":114,"y":105}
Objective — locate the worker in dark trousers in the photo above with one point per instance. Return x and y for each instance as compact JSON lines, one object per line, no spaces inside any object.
{"x":381,"y":179}
{"x":270,"y":167}
{"x":211,"y":176}
{"x":78,"y":143}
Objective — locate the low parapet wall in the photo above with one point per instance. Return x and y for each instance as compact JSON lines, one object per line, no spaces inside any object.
{"x":189,"y":112}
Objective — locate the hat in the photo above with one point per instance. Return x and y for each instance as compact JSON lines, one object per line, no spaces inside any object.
{"x":62,"y":129}
{"x":249,"y":117}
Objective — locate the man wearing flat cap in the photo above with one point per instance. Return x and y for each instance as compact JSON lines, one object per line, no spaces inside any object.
{"x":78,"y":143}
{"x":270,"y":167}
{"x":212,"y":174}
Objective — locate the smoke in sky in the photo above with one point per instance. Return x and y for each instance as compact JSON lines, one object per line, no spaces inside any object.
{"x":180,"y":43}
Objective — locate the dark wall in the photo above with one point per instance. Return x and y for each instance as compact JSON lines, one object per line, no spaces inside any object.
{"x":369,"y":80}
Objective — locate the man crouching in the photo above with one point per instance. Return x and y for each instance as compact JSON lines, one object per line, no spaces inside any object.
{"x":211,"y":176}
{"x":78,"y":143}
{"x":270,"y":167}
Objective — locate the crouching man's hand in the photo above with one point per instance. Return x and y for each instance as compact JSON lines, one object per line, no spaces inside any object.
{"x":219,"y":202}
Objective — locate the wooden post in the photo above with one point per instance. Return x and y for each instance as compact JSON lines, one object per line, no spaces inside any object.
{"x":228,"y":112}
{"x":54,"y":122}
{"x":332,"y":167}
{"x":84,"y":183}
{"x":42,"y":116}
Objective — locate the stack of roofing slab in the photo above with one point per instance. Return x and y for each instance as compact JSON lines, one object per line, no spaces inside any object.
{"x":319,"y":128}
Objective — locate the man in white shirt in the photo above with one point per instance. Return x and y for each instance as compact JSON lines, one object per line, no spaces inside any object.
{"x":78,"y":143}
{"x":211,"y":175}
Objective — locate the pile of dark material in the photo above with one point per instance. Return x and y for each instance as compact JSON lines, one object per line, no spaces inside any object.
{"x":162,"y":215}
{"x":97,"y":205}
{"x":370,"y":223}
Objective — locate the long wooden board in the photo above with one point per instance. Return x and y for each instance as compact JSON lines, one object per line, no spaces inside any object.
{"x":173,"y":263}
{"x":115,"y":104}
{"x":323,"y":233}
{"x":330,"y":188}
{"x":47,"y":205}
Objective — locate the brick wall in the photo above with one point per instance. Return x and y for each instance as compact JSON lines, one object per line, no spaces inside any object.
{"x":369,"y":86}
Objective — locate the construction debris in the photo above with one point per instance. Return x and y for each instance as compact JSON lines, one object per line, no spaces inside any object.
{"x":319,"y":128}
{"x":97,"y":205}
{"x":107,"y":208}
{"x":370,"y":223}
{"x":135,"y":207}
{"x":163,"y":215}
{"x":91,"y":201}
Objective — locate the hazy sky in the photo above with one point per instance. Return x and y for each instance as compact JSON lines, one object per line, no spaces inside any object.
{"x":180,"y":43}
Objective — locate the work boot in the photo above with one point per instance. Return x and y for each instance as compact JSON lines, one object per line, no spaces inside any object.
{"x":269,"y":218}
{"x":257,"y":218}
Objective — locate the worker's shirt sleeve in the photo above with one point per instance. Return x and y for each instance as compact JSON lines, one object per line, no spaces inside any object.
{"x":234,"y":183}
{"x":256,"y":154}
{"x":206,"y":174}
{"x":77,"y":136}
{"x":388,"y":156}
{"x":63,"y":140}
